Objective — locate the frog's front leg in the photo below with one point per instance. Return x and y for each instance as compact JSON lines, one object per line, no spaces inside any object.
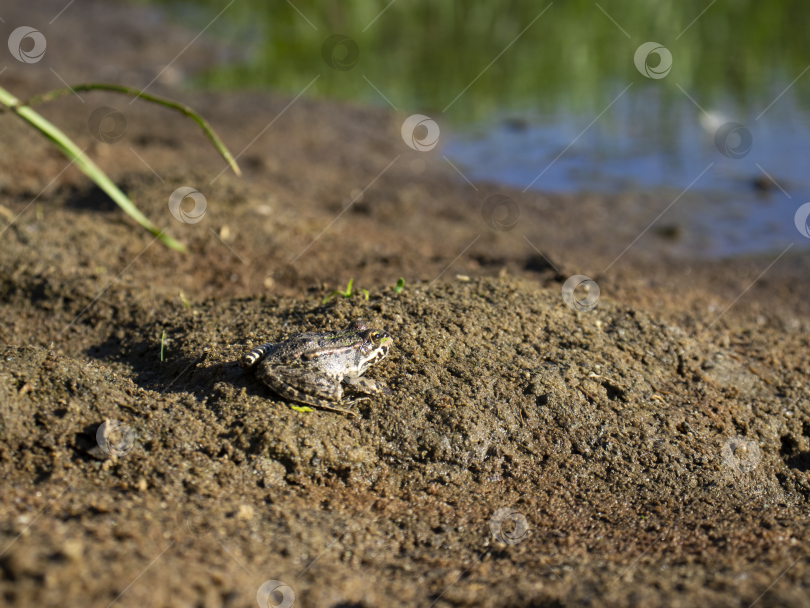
{"x":302,"y":384}
{"x":367,"y":386}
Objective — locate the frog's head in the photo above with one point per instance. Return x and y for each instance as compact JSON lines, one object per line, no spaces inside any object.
{"x":376,"y":344}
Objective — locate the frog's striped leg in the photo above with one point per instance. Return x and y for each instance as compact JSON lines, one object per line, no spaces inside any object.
{"x":254,"y":356}
{"x":322,"y":390}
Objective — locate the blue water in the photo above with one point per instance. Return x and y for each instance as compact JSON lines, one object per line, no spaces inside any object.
{"x":644,"y":144}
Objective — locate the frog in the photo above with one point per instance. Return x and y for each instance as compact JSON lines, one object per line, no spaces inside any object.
{"x":311,"y":368}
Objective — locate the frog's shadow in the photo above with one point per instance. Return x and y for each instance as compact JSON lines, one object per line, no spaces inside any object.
{"x":179,"y":373}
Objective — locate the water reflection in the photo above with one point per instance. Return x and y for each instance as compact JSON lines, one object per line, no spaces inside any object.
{"x":736,"y":202}
{"x":687,"y":68}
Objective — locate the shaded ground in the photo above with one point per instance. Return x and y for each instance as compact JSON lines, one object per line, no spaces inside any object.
{"x":611,"y":432}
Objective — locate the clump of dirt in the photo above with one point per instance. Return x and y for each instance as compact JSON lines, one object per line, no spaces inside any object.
{"x":653,"y":451}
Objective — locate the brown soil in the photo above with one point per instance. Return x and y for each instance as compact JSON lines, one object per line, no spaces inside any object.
{"x":608,"y":431}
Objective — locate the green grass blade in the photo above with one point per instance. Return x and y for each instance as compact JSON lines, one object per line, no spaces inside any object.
{"x":345,"y":294}
{"x":87,"y":166}
{"x":301,"y":409}
{"x":168,"y":103}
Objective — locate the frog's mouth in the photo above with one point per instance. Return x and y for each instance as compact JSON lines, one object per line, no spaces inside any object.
{"x":380,"y":343}
{"x":376,"y":355}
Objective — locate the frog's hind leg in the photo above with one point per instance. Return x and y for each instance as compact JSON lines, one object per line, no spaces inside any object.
{"x":288,"y":381}
{"x":251,"y":358}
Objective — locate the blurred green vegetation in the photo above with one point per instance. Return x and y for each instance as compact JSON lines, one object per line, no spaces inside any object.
{"x":422,"y":53}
